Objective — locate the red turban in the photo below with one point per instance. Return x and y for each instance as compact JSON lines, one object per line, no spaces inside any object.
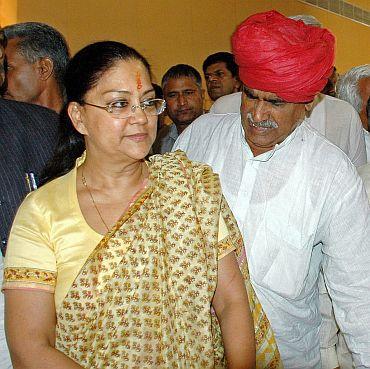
{"x":283,"y":56}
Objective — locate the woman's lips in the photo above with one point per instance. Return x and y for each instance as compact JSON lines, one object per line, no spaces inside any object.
{"x":138,"y":137}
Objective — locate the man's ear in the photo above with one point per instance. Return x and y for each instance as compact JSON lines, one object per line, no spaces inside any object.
{"x":45,"y":67}
{"x":76,"y":115}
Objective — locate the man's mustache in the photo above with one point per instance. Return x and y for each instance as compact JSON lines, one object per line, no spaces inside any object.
{"x":268,"y":123}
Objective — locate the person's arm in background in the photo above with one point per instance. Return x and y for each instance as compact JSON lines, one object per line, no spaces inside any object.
{"x":357,"y":148}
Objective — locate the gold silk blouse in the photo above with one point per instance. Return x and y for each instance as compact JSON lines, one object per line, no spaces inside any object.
{"x":50,"y":240}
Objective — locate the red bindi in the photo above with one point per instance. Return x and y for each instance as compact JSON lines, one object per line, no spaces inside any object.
{"x":139,"y":85}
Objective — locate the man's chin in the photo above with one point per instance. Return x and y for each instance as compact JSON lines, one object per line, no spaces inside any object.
{"x":216,"y":95}
{"x":185,"y":120}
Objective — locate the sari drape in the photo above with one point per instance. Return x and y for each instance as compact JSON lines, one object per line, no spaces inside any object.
{"x":143,"y":297}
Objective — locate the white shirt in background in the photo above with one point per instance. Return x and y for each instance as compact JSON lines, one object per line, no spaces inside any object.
{"x":364,"y":172}
{"x":367,"y":144}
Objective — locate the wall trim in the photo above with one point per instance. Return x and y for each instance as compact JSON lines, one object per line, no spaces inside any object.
{"x":343,"y":9}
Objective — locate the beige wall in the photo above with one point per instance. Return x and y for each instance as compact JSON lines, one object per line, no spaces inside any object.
{"x":8,"y":12}
{"x":168,"y":32}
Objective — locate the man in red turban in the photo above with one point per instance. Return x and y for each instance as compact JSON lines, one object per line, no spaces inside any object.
{"x":287,"y":60}
{"x":297,"y":198}
{"x":284,"y":56}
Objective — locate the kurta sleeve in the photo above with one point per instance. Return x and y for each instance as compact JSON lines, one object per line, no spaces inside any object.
{"x":30,"y":261}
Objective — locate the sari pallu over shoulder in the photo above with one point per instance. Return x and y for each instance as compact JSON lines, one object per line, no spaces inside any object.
{"x":143,"y":297}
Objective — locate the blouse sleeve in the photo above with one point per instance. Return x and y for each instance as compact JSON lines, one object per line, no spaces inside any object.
{"x":30,"y":261}
{"x":225,"y":244}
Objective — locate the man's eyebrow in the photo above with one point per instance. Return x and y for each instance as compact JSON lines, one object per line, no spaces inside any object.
{"x":215,"y":71}
{"x":272,"y":100}
{"x":276,"y":100}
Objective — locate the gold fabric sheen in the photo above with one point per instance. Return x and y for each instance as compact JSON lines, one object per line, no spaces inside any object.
{"x":50,"y":240}
{"x":143,"y":297}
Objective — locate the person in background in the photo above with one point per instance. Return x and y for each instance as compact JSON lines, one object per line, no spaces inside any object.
{"x":331,"y":86}
{"x":28,"y":136}
{"x":364,"y":171}
{"x":221,"y":75}
{"x":159,"y":95}
{"x":182,"y":90}
{"x":297,"y":198}
{"x":115,"y":261}
{"x":354,"y":87}
{"x":36,"y":58}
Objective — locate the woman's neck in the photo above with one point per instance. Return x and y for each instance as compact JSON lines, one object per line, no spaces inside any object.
{"x":114,"y":174}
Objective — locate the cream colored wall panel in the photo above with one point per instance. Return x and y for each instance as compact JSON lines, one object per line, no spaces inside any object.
{"x":168,"y":32}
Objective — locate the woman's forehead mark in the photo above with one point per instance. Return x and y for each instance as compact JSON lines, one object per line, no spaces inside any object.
{"x":139,"y":84}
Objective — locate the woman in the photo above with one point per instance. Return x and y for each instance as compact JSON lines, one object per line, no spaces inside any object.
{"x":116,"y":262}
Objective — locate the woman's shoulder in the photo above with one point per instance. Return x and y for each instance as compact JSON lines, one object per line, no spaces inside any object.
{"x":177,"y":165}
{"x":178,"y":158}
{"x":50,"y":194}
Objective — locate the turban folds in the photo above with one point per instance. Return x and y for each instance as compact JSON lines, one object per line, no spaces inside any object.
{"x":283,"y":56}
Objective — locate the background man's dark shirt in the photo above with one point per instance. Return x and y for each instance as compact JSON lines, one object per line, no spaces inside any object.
{"x":28,"y":135}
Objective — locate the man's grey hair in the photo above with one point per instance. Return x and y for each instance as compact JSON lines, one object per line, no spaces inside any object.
{"x":309,"y":20}
{"x":348,"y":88}
{"x":39,"y":40}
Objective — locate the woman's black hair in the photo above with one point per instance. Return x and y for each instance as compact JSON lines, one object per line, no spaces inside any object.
{"x":83,"y":73}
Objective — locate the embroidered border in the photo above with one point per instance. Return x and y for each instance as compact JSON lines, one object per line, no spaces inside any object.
{"x":224,"y":247}
{"x":19,"y":277}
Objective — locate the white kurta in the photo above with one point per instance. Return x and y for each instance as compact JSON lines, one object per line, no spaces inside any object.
{"x":364,"y":172}
{"x":335,"y":119}
{"x":367,"y":144}
{"x":299,"y":205}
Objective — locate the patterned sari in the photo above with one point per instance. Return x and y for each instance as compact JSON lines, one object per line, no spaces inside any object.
{"x":143,"y":297}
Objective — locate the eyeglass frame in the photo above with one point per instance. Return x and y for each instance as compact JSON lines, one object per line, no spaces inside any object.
{"x":108,"y":108}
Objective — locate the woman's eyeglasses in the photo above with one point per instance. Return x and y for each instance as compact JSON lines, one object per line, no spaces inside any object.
{"x":122,"y":109}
